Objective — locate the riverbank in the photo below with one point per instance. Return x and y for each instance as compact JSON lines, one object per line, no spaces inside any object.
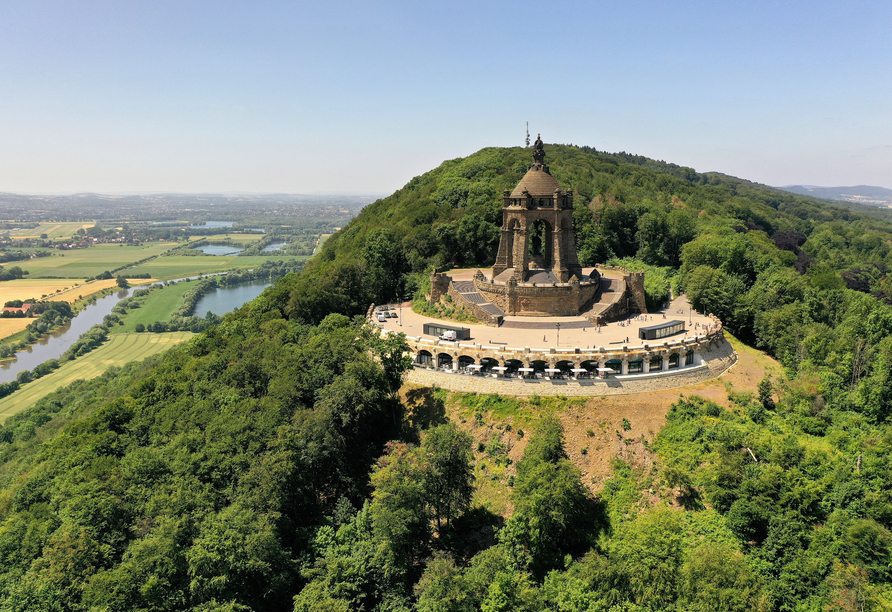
{"x":119,"y":350}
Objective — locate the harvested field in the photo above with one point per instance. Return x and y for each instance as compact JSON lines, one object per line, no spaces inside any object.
{"x":9,"y":327}
{"x":27,"y":288}
{"x":57,"y":289}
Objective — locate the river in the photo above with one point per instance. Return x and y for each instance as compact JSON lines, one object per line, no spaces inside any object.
{"x":53,"y":345}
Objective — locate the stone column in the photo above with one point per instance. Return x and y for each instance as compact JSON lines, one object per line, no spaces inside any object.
{"x":557,"y":256}
{"x":665,"y":366}
{"x":521,"y":256}
{"x":624,"y":369}
{"x":645,"y":365}
{"x":455,"y":363}
{"x":698,"y":358}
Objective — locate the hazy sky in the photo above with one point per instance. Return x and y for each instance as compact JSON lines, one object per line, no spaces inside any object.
{"x":322,"y":96}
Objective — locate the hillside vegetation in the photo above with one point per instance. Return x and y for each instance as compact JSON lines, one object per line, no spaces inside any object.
{"x":269,"y":464}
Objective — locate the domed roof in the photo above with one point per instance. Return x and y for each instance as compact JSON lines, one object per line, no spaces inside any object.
{"x":538,"y":182}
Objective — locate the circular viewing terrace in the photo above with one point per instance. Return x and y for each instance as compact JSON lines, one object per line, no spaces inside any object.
{"x":564,"y":355}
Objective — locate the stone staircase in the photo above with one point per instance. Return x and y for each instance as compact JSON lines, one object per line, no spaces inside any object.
{"x":476,"y":303}
{"x":609,"y":296}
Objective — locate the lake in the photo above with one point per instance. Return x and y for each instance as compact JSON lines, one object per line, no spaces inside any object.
{"x":219,"y":249}
{"x":275,"y":246}
{"x":225,"y":299}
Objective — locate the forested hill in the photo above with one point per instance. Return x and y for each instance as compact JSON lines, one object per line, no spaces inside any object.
{"x":270,"y":463}
{"x":626,"y":205}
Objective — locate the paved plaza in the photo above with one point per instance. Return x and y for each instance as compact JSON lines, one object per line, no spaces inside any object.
{"x":543,"y":332}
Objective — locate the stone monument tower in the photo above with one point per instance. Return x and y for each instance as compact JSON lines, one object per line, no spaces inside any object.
{"x":537,"y":244}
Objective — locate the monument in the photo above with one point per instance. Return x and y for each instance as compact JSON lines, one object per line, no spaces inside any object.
{"x":537,"y":271}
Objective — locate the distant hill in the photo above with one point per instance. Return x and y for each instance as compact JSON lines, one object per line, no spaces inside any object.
{"x":859,"y":194}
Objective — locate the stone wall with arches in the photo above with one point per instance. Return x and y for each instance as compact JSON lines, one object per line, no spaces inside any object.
{"x":647,"y":359}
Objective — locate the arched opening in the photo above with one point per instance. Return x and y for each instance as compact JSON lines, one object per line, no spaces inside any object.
{"x":489,"y":363}
{"x":444,"y":360}
{"x":513,"y":365}
{"x":565,"y":367}
{"x":590,"y":366}
{"x":540,"y":246}
{"x":689,"y":358}
{"x":614,"y":364}
{"x":464,"y":361}
{"x":539,"y":366}
{"x":636,"y":366}
{"x":424,"y":358}
{"x":673,"y":360}
{"x":656,"y":363}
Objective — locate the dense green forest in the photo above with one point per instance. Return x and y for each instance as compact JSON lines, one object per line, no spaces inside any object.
{"x":269,"y":464}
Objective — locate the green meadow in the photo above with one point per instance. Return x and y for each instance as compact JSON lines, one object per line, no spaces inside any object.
{"x":179,"y":266}
{"x":159,"y":305}
{"x":84,"y":263}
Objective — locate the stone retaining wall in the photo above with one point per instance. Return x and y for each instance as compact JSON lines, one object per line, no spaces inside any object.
{"x":530,"y":299}
{"x":717,"y":360}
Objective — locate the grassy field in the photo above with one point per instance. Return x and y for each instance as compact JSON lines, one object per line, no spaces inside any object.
{"x":159,"y":305}
{"x":84,"y":263}
{"x":119,"y":350}
{"x":52,"y":230}
{"x":177,"y":266}
{"x":320,"y":242}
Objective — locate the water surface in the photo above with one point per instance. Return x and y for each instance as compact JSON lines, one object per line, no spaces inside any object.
{"x":220,"y":249}
{"x":225,"y":299}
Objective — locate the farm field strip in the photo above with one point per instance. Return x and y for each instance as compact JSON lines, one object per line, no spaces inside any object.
{"x":9,"y":327}
{"x":179,"y":266}
{"x":26,"y":288}
{"x":320,"y":242}
{"x":92,"y":261}
{"x":119,"y":350}
{"x":53,"y":230}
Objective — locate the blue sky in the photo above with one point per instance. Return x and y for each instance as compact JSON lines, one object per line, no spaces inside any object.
{"x":309,"y":97}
